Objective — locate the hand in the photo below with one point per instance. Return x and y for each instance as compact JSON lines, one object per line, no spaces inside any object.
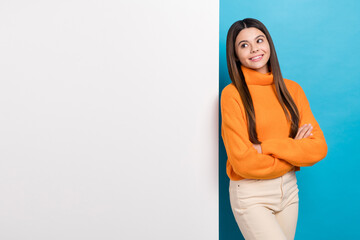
{"x":304,"y":131}
{"x":258,"y":147}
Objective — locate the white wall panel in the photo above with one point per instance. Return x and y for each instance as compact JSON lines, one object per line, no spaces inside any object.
{"x":108,"y":120}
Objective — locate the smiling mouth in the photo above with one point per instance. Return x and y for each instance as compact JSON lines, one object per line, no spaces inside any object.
{"x":257,"y":58}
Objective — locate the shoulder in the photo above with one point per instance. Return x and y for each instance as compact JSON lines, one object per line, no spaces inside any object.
{"x":293,"y":87}
{"x":296,"y":91}
{"x":229,"y":90}
{"x":291,"y":84}
{"x":230,"y":96}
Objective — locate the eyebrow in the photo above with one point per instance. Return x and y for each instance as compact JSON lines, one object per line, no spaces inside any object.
{"x":248,"y":41}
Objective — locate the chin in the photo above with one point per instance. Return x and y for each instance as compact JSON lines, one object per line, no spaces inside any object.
{"x":256,"y":66}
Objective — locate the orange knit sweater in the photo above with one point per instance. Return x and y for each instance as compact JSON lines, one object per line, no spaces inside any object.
{"x":280,"y":153}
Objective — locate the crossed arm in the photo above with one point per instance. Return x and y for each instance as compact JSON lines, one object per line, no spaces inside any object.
{"x":307,"y":148}
{"x":303,"y":132}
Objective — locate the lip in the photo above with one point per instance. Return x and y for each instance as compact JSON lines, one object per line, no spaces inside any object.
{"x":256,"y":60}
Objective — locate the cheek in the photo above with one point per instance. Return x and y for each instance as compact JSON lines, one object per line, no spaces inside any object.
{"x":238,"y":54}
{"x":268,"y":52}
{"x":267,"y":48}
{"x":244,"y":61}
{"x":241,"y":55}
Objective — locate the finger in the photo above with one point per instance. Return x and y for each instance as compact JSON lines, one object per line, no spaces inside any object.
{"x":308,"y":133}
{"x":299,"y":131}
{"x":303,"y":131}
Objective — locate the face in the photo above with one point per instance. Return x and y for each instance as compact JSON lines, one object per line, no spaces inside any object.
{"x":252,"y":49}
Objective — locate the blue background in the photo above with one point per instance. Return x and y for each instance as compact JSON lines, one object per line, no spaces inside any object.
{"x":317,"y":43}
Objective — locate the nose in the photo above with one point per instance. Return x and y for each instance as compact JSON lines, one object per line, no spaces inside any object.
{"x":254,"y":49}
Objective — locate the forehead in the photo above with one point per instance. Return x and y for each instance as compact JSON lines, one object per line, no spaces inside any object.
{"x":248,"y":34}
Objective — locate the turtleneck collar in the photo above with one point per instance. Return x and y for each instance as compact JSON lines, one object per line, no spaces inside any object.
{"x":253,"y":77}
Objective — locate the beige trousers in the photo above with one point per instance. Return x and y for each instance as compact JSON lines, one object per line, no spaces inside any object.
{"x":266,"y":209}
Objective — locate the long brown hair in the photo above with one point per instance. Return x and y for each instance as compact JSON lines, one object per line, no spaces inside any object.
{"x":238,"y":79}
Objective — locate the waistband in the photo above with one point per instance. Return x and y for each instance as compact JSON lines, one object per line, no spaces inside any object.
{"x":287,"y":177}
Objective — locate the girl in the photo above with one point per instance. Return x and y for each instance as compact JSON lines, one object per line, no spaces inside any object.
{"x":269,"y":132}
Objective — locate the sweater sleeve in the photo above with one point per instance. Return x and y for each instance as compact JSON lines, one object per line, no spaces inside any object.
{"x":300,"y":152}
{"x":243,"y":157}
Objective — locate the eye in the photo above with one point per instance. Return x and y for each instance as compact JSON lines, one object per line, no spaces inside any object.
{"x":243,"y":45}
{"x":260,"y":40}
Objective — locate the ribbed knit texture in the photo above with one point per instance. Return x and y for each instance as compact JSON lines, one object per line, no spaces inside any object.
{"x":280,"y":153}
